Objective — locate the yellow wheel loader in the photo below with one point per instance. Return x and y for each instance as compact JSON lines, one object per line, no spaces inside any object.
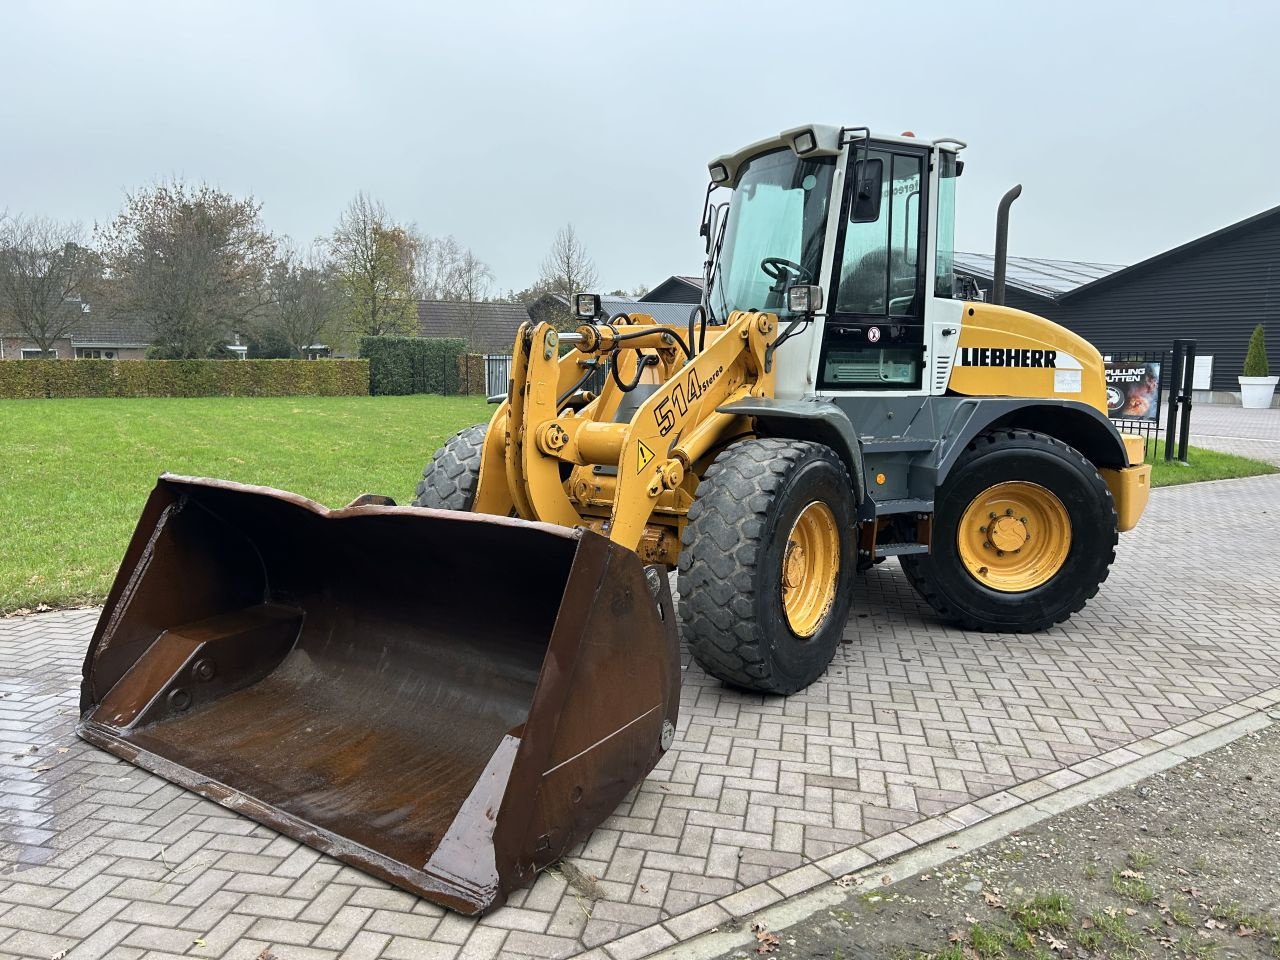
{"x":450,"y":695}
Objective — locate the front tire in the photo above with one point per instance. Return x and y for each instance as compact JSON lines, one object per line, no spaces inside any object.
{"x":1024,"y":535}
{"x":767,"y":564}
{"x":450,"y":477}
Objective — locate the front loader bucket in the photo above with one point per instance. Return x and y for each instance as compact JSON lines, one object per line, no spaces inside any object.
{"x":448,"y":701}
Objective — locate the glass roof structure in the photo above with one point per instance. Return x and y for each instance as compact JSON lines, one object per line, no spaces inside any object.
{"x":1048,"y":278}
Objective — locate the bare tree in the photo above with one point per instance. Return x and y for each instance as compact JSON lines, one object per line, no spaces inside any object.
{"x":472,"y":279}
{"x":305,"y":300}
{"x":193,"y":262}
{"x":375,"y":261}
{"x":449,"y":271}
{"x":567,"y":269}
{"x":46,"y":273}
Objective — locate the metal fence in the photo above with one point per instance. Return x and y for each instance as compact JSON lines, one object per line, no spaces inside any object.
{"x":497,"y":375}
{"x":1140,"y":382}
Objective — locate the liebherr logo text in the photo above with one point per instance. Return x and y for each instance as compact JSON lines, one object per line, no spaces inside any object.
{"x":681,"y":398}
{"x":1006,"y":357}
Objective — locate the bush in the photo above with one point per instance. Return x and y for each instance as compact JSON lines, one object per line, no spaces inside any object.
{"x":34,"y":379}
{"x":1255,"y":361}
{"x":400,"y":365}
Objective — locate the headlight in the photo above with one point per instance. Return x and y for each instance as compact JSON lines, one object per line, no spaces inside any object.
{"x":586,"y":306}
{"x":804,"y":299}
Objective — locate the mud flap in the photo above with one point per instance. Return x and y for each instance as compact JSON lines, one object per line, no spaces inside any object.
{"x":448,"y":701}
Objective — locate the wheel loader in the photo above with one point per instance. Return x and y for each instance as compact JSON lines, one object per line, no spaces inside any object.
{"x":451,"y":694}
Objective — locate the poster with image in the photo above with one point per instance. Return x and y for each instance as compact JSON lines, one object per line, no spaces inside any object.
{"x":1133,"y":389}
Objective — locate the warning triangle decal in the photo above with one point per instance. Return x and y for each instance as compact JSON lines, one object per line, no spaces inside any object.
{"x":644,"y":456}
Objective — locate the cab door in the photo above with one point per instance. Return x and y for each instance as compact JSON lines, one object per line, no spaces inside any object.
{"x":874,"y":336}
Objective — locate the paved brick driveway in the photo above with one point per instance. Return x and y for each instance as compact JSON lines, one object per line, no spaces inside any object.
{"x":916,"y":730}
{"x":1250,"y":433}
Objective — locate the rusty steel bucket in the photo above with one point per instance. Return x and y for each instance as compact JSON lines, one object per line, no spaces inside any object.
{"x":447,"y":701}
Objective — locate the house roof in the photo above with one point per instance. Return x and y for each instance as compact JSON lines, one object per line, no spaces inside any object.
{"x":689,"y":286}
{"x":1045,"y":278}
{"x":676,"y":314}
{"x":491,"y":327}
{"x":1190,"y":246}
{"x":90,"y":328}
{"x":108,"y":329}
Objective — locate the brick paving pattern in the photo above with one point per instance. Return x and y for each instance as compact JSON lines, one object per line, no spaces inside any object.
{"x":916,"y":729}
{"x":1249,"y":433}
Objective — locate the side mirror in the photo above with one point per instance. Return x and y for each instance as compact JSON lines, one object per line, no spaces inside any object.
{"x":868,"y":185}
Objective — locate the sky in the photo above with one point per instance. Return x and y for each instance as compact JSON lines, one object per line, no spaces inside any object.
{"x":1132,"y":127}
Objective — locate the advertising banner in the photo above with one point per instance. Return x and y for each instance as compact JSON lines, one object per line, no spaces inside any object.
{"x":1133,"y":389}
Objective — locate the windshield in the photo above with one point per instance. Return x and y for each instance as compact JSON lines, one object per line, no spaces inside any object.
{"x":773,"y":236}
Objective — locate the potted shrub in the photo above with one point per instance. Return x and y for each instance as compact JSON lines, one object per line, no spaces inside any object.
{"x":1256,"y":383}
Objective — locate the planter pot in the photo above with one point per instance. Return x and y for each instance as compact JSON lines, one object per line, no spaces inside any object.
{"x":1255,"y":392}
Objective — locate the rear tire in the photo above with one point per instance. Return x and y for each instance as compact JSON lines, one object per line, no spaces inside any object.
{"x":1036,"y":486}
{"x":449,"y":479}
{"x":770,"y":543}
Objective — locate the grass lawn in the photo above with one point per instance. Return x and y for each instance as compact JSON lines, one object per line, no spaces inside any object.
{"x":1203,"y":465}
{"x":74,"y":474}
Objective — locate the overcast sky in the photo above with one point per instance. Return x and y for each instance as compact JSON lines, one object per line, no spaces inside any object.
{"x":1132,"y":126}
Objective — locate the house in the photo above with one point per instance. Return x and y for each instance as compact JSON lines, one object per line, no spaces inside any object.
{"x":1214,"y":289}
{"x":675,"y":289}
{"x":92,"y":336}
{"x":487,"y":327}
{"x":555,"y":308}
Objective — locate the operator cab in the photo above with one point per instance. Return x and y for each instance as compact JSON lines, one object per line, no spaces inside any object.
{"x":873,"y":261}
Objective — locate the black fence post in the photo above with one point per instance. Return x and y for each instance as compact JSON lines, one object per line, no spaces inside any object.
{"x":1175,"y":381}
{"x":1188,"y":383}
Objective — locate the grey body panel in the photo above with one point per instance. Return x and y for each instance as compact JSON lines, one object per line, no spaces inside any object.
{"x":914,"y":442}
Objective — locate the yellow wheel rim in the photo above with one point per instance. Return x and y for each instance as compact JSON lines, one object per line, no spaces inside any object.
{"x":810,"y":569}
{"x":1014,"y":536}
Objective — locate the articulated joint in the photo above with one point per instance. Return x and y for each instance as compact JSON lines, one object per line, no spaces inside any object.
{"x":552,"y":438}
{"x":669,"y":476}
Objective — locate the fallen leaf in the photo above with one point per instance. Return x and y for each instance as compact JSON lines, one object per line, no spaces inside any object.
{"x":198,"y":942}
{"x":1244,"y":931}
{"x":953,"y":846}
{"x":1192,"y":892}
{"x":886,"y":880}
{"x":1131,"y":874}
{"x":1181,"y":872}
{"x":1056,"y":945}
{"x":847,"y":881}
{"x":768,"y":942}
{"x":1130,"y":912}
{"x":266,"y":954}
{"x":1212,"y":924}
{"x":993,"y":901}
{"x":1111,"y":912}
{"x":759,"y":926}
{"x":956,"y":937}
{"x":42,"y":769}
{"x":59,"y":955}
{"x":43,"y":608}
{"x":1086,"y":924}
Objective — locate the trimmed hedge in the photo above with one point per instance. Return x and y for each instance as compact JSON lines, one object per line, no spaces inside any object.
{"x":400,"y":365}
{"x":34,"y":379}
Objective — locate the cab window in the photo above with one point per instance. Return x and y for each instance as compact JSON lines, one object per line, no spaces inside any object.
{"x":879,"y":270}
